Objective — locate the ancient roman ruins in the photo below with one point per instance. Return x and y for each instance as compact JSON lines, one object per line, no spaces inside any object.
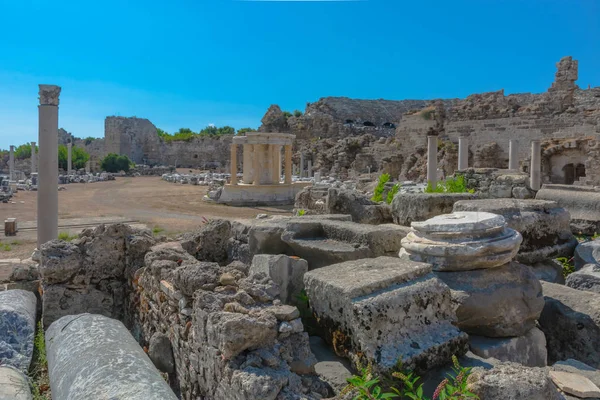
{"x":498,"y":270}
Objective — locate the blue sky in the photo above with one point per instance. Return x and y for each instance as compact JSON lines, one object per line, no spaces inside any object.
{"x":198,"y":62}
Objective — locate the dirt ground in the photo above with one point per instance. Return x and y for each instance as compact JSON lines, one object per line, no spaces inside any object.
{"x":166,"y":207}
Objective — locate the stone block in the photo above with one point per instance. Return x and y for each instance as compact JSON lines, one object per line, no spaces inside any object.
{"x":287,"y":272}
{"x":575,"y":384}
{"x":581,"y":202}
{"x":587,"y":278}
{"x":160,"y":352}
{"x":362,"y":209}
{"x":543,"y":224}
{"x":549,"y":271}
{"x":92,"y":357}
{"x":571,"y":322}
{"x":17,"y":328}
{"x":529,"y":349}
{"x":497,"y":302}
{"x":14,"y":385}
{"x":580,"y":368}
{"x":461,"y":241}
{"x":512,"y":381}
{"x":386,"y":310}
{"x":587,"y":253}
{"x":411,"y":207}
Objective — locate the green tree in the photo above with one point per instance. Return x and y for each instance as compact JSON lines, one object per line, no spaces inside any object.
{"x":297,"y":113}
{"x":23,"y":151}
{"x":287,"y":114}
{"x":115,"y":163}
{"x":245,"y":130}
{"x":78,"y":157}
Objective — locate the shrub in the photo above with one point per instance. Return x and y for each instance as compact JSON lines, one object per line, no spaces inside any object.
{"x":450,"y":185}
{"x":24,"y":151}
{"x":78,"y":157}
{"x":392,"y":193}
{"x":88,"y":140}
{"x":567,"y":264}
{"x":245,"y":130}
{"x":115,"y":163}
{"x":287,"y":114}
{"x":66,"y":237}
{"x":297,"y":113}
{"x":378,"y":192}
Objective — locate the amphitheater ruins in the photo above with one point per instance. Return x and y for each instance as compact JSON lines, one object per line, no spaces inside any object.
{"x":400,"y":290}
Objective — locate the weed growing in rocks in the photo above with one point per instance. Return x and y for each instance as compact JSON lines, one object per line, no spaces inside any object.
{"x":392,"y":193}
{"x":66,"y":237}
{"x":378,"y":192}
{"x":450,"y":185}
{"x":6,"y":247}
{"x":38,"y":373}
{"x":567,"y":264}
{"x":301,"y":213}
{"x":157,"y":230}
{"x":369,"y":387}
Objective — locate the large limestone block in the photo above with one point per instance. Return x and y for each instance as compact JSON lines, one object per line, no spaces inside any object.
{"x":510,"y":381}
{"x":498,"y":302}
{"x":543,"y":225}
{"x":577,"y":367}
{"x":17,"y":328}
{"x":587,"y":253}
{"x":461,"y":241}
{"x":529,"y":349}
{"x":386,"y":310}
{"x":571,"y":322}
{"x":583,"y":203}
{"x":209,"y":243}
{"x":362,"y":209}
{"x":13,"y":384}
{"x":411,"y":207}
{"x":287,"y":272}
{"x":95,"y":357}
{"x":587,"y":278}
{"x":575,"y":384}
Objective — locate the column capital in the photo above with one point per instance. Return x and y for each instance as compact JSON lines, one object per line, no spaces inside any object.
{"x":12,"y":147}
{"x":49,"y":95}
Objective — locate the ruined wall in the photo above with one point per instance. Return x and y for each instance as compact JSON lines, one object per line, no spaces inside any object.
{"x":134,"y":137}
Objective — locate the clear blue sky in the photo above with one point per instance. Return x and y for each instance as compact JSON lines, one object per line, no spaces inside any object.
{"x":196,"y":62}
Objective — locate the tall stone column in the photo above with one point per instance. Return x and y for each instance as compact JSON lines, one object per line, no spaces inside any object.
{"x":256,"y":162}
{"x":301,"y":165}
{"x":233,"y":164}
{"x":280,"y":164}
{"x":513,"y":158}
{"x":11,"y":164}
{"x":535,"y":178}
{"x":288,"y":164}
{"x":69,"y":158}
{"x":33,"y":158}
{"x":47,"y":195}
{"x":432,"y":160}
{"x":309,"y":169}
{"x":248,"y":163}
{"x":463,"y":153}
{"x":273,"y":163}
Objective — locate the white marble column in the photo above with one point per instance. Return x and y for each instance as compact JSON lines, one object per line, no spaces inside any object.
{"x":256,"y":163}
{"x":513,"y":158}
{"x":47,"y":195}
{"x":248,"y":163}
{"x":463,"y":153}
{"x":88,"y":166}
{"x":301,"y":174}
{"x":432,"y":160}
{"x":33,"y":158}
{"x":280,"y":163}
{"x":69,"y":158}
{"x":288,"y":164}
{"x":11,"y":164}
{"x":233,"y":164}
{"x":535,"y":179}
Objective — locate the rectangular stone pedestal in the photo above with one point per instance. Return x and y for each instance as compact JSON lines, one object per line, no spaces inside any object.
{"x":386,"y":311}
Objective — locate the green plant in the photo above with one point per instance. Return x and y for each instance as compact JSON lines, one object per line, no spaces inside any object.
{"x":38,"y":373}
{"x":301,"y":213}
{"x":78,"y":157}
{"x":66,"y":236}
{"x":392,"y":193}
{"x":157,"y":230}
{"x":287,"y":114}
{"x":450,"y":185}
{"x":115,"y":163}
{"x":6,"y":247}
{"x":567,"y":264}
{"x":297,"y":113}
{"x":378,"y":192}
{"x":245,"y":130}
{"x":368,"y":387}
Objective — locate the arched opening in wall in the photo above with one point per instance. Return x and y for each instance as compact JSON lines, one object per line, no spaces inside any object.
{"x":579,"y":171}
{"x":389,"y":125}
{"x":368,"y":123}
{"x":349,"y":121}
{"x":569,"y":174}
{"x":195,"y":155}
